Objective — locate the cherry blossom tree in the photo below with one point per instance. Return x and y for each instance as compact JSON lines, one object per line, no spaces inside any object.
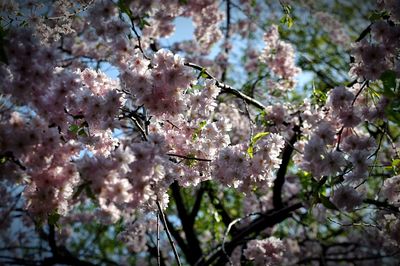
{"x":268,"y":137}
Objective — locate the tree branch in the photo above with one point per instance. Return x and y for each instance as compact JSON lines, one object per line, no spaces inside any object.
{"x":280,"y":176}
{"x":226,"y":88}
{"x":180,"y":241}
{"x":255,"y":227}
{"x":168,"y":234}
{"x":187,"y":224}
{"x":197,"y":203}
{"x":189,"y":157}
{"x":382,"y":205}
{"x":227,"y":35}
{"x":226,"y":219}
{"x":61,"y":255}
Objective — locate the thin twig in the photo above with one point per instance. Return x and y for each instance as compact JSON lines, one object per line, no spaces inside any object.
{"x":189,"y":157}
{"x":142,"y":131}
{"x":339,"y":138}
{"x":246,"y":106}
{"x":11,"y":209}
{"x":227,"y":35}
{"x":139,"y":40}
{"x":158,"y":240}
{"x":359,"y":92}
{"x":171,"y":241}
{"x":68,"y":15}
{"x":392,"y":143}
{"x":355,"y":224}
{"x":382,"y":205}
{"x":226,"y":88}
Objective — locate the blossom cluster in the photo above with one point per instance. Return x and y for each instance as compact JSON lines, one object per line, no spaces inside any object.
{"x":391,"y":188}
{"x":268,"y":251}
{"x":279,"y":57}
{"x":372,"y":59}
{"x":195,"y":136}
{"x":130,"y":177}
{"x":65,"y":128}
{"x":168,"y":79}
{"x":42,"y":158}
{"x":234,"y":166}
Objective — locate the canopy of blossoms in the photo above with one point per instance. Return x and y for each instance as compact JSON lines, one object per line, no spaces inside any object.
{"x":209,"y":151}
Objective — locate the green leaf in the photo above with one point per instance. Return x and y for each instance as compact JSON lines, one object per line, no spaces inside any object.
{"x":287,"y":20}
{"x":82,"y":132}
{"x":190,"y":162}
{"x":396,"y":162}
{"x":73,"y":128}
{"x":203,"y":74}
{"x":389,"y":168}
{"x":395,"y":166}
{"x":259,"y":136}
{"x":260,"y":116}
{"x":143,"y":22}
{"x":389,"y":82}
{"x":217,"y":217}
{"x":124,"y":7}
{"x":250,"y":151}
{"x":376,"y":15}
{"x":197,"y":87}
{"x":54,"y":218}
{"x":256,"y":138}
{"x":392,"y":110}
{"x":197,"y":131}
{"x":319,"y":96}
{"x":327,"y":203}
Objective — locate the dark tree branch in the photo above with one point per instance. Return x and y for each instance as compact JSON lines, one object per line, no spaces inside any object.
{"x":189,"y":157}
{"x":188,"y":226}
{"x":60,"y":253}
{"x":254,"y":227}
{"x":52,"y":240}
{"x":197,"y":203}
{"x":228,"y":230}
{"x":226,"y":219}
{"x":8,"y":260}
{"x":227,"y":35}
{"x":280,"y":176}
{"x":154,"y":252}
{"x":382,"y":205}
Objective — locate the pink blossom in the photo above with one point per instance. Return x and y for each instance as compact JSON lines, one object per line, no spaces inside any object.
{"x":268,"y":251}
{"x":346,"y":198}
{"x":391,"y":190}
